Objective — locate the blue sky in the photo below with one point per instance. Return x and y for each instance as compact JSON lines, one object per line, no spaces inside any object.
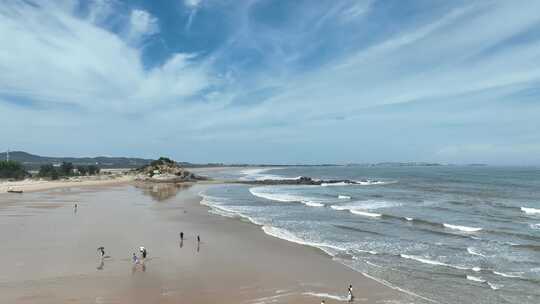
{"x":273,"y":81}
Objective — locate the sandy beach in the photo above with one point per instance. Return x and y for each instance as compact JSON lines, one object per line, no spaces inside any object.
{"x":33,"y":185}
{"x":50,"y":256}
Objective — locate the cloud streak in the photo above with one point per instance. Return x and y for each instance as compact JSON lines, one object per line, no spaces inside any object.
{"x":440,"y":86}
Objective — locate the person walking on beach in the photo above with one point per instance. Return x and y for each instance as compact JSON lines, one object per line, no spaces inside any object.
{"x":198,"y":239}
{"x":181,"y":236}
{"x":143,"y":253}
{"x":101,"y":251}
{"x":135,"y":259}
{"x":350,"y":296}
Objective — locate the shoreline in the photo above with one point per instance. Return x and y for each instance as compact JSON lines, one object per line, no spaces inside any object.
{"x":254,"y":268}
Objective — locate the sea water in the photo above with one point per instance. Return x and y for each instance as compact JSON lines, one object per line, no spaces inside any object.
{"x":447,"y":234}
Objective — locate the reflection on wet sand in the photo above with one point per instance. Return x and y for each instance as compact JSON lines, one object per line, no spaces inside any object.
{"x":101,"y":265}
{"x":162,"y":191}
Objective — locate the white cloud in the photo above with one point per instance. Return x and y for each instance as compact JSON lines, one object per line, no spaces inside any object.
{"x":100,"y":10}
{"x":142,"y":25}
{"x":192,"y":3}
{"x":61,"y":62}
{"x":51,"y":57}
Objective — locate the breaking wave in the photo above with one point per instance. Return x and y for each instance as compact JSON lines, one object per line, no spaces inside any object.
{"x":271,"y":193}
{"x":284,"y":234}
{"x":530,"y":210}
{"x":462,"y":228}
{"x":473,"y":251}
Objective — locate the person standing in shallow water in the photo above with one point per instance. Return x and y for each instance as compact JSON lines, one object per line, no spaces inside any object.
{"x":181,"y":236}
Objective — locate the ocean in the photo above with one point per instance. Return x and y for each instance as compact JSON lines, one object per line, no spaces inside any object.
{"x":441,"y":234}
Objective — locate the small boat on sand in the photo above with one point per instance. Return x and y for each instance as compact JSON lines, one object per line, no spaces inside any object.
{"x":14,"y":191}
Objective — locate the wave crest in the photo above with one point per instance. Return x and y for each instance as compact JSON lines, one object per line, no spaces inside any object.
{"x":528,"y":210}
{"x":462,"y":228}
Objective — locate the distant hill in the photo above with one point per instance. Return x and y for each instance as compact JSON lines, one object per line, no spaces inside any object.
{"x":33,"y":162}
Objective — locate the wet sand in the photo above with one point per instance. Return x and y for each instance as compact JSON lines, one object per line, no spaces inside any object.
{"x":50,"y":253}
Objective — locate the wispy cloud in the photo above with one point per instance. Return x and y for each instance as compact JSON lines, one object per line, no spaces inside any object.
{"x":440,"y":83}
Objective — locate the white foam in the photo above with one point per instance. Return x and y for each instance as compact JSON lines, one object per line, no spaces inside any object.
{"x":373,"y":264}
{"x":462,"y":228}
{"x":431,"y":262}
{"x":495,"y":286}
{"x":258,"y":174}
{"x":326,"y":295}
{"x":346,"y":197}
{"x":278,"y":195}
{"x":365,"y":205}
{"x":530,"y":210}
{"x":475,"y":279}
{"x":217,"y":208}
{"x":535,"y":226}
{"x":336,"y":184}
{"x":364,"y":213}
{"x":506,"y":275}
{"x":313,"y":204}
{"x":473,"y":251}
{"x":476,"y":269}
{"x":409,"y":219}
{"x":370,"y":182}
{"x":289,"y":236}
{"x":358,"y":183}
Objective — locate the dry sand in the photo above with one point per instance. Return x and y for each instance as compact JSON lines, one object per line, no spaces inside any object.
{"x":49,"y":253}
{"x":33,"y":185}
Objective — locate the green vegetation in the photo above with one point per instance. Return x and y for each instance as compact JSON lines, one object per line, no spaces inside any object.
{"x":66,"y":169}
{"x":12,"y":169}
{"x":93,"y":170}
{"x":162,"y":161}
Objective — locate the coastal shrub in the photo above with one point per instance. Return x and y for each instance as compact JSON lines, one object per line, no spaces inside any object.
{"x":82,"y":170}
{"x":12,"y":169}
{"x":93,"y":170}
{"x":46,"y":170}
{"x":66,"y":169}
{"x":162,"y":161}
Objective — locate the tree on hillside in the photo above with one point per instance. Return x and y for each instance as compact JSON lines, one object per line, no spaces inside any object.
{"x":12,"y":169}
{"x":93,"y":170}
{"x":82,"y":170}
{"x":47,"y":170}
{"x":66,"y":168}
{"x":162,"y":161}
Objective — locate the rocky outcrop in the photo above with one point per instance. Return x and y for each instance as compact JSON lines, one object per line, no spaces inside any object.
{"x":165,"y":170}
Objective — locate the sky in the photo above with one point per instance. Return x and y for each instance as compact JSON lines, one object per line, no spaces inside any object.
{"x":260,"y":81}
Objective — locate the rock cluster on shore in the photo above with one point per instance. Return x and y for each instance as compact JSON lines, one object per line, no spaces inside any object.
{"x":165,"y":170}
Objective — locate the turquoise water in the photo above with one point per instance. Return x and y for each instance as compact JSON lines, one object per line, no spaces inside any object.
{"x":448,"y":234}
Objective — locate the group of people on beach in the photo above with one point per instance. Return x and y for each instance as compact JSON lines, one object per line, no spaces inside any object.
{"x":139,"y":259}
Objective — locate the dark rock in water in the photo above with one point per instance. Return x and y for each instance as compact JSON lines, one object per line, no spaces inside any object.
{"x":303,"y":180}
